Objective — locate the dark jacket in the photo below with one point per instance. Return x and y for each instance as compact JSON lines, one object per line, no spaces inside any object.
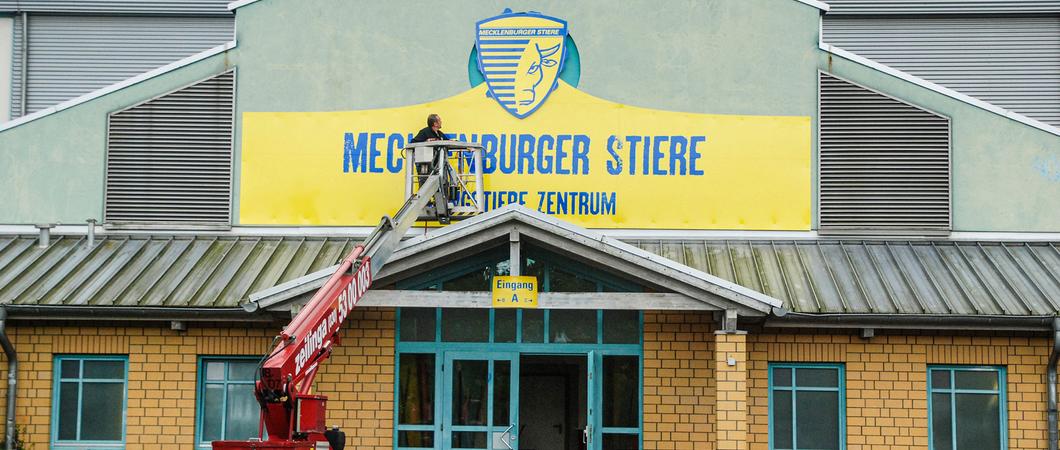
{"x":427,"y":133}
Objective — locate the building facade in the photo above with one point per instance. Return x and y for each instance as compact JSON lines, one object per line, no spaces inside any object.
{"x":51,"y":52}
{"x":744,"y":234}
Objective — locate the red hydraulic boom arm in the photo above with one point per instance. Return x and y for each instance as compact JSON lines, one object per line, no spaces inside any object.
{"x":293,"y":417}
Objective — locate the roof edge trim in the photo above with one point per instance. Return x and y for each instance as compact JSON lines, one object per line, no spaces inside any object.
{"x":846,"y":54}
{"x":118,"y":86}
{"x":633,"y":234}
{"x":814,"y":3}
{"x":239,"y":4}
{"x":911,"y":321}
{"x":148,"y":314}
{"x":518,"y":211}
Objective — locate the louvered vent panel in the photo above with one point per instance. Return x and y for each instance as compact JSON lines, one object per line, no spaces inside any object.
{"x":170,"y":159}
{"x":72,"y":55}
{"x":1012,"y":62}
{"x":884,"y":165}
{"x":197,"y":7}
{"x":942,"y":6}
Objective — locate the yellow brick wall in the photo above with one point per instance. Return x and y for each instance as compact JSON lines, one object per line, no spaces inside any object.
{"x":679,"y":390}
{"x":886,"y":382}
{"x":885,"y":377}
{"x":730,"y":359}
{"x":162,"y":376}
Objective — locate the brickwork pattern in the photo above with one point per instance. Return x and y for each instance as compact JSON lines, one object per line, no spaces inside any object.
{"x":162,"y":379}
{"x":679,"y":391}
{"x":691,"y":396}
{"x":886,"y":382}
{"x":731,"y":362}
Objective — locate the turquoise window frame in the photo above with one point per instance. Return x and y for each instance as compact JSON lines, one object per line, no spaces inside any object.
{"x":57,"y":379}
{"x":200,"y":392}
{"x":439,"y":349}
{"x":840,"y":389}
{"x":435,"y":278}
{"x":952,"y":391}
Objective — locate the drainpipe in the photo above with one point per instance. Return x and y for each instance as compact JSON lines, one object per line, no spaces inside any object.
{"x":12,"y":380}
{"x":1051,"y":388}
{"x":44,"y":237}
{"x":91,"y":232}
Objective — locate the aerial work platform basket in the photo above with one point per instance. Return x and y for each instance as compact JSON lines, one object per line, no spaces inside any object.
{"x":460,"y":163}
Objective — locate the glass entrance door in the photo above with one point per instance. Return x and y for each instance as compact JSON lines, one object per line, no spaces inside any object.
{"x":481,"y":400}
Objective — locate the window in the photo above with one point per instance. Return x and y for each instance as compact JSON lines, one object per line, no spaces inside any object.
{"x":89,"y":401}
{"x":555,"y":273}
{"x":227,"y":408}
{"x":523,"y":326}
{"x":966,"y":408}
{"x":806,"y":407}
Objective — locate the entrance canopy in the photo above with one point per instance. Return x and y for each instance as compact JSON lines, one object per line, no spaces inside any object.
{"x":665,"y":284}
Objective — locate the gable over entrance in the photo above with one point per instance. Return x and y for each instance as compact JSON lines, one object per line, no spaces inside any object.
{"x":666,"y":284}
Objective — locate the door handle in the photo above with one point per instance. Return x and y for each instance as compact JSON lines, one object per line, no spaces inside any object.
{"x":508,"y":441}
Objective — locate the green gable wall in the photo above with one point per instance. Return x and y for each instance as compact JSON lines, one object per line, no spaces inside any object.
{"x":997,"y":180}
{"x":51,"y":169}
{"x":729,"y":57}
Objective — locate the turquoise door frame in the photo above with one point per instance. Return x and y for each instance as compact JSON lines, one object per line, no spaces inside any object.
{"x":500,"y":428}
{"x":439,"y":430}
{"x":591,"y":432}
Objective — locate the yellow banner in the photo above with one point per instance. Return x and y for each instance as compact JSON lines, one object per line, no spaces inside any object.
{"x":514,"y":292}
{"x":582,"y":159}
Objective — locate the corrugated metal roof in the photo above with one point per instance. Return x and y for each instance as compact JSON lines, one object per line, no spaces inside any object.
{"x":822,"y":276}
{"x":885,"y":277}
{"x":186,"y":271}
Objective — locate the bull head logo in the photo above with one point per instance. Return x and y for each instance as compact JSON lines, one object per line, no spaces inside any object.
{"x":521,"y":55}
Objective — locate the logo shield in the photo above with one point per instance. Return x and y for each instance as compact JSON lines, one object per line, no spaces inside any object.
{"x":521,"y":55}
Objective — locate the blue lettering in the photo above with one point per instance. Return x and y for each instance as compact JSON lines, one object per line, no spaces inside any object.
{"x":355,"y":153}
{"x":645,"y":155}
{"x":507,"y":164}
{"x":526,"y":153}
{"x":394,"y":144}
{"x":657,"y":155}
{"x":374,"y":153}
{"x":614,"y":165}
{"x":561,"y":154}
{"x":694,"y":155}
{"x":678,"y":148}
{"x":489,"y":153}
{"x":608,"y":206}
{"x":581,"y":154}
{"x":632,"y":140}
{"x":544,"y":161}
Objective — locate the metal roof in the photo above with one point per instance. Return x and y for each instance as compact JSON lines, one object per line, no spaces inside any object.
{"x":884,"y":277}
{"x":144,"y":271}
{"x":809,"y":276}
{"x":440,"y":245}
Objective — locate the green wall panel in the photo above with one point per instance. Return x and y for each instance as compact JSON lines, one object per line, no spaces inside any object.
{"x":52,"y":169}
{"x":727,"y":57}
{"x":1005,"y":175}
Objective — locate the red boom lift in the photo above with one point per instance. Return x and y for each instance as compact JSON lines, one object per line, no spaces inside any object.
{"x":443,"y":183}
